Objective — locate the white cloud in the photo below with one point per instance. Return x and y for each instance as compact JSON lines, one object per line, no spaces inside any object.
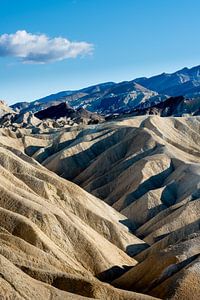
{"x":39,"y":48}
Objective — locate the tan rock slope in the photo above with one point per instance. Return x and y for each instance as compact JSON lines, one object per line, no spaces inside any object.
{"x":4,"y":109}
{"x":147,"y":168}
{"x":57,"y":239}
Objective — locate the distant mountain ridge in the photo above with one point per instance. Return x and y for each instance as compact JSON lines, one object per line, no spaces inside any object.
{"x":184,"y":82}
{"x":108,"y":98}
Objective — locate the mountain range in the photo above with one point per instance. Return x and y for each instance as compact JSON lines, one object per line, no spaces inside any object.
{"x":108,"y":98}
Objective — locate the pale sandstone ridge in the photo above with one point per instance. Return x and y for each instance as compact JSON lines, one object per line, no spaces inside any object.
{"x":147,"y":168}
{"x":55,"y":237}
{"x":141,"y":233}
{"x":4,"y":109}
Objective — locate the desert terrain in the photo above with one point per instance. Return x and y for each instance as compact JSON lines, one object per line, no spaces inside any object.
{"x":100,"y":211}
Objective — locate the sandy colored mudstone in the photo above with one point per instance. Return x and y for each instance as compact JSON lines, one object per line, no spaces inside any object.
{"x":129,"y":215}
{"x":54,"y":236}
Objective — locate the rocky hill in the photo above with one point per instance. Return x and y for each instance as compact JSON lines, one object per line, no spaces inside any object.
{"x":141,"y":233}
{"x":57,"y":116}
{"x":4,"y":109}
{"x":56,"y":238}
{"x":63,"y":110}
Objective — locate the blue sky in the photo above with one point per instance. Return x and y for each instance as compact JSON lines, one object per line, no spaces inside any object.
{"x":123,"y":39}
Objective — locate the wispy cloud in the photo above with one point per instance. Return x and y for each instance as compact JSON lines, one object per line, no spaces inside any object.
{"x":39,"y":48}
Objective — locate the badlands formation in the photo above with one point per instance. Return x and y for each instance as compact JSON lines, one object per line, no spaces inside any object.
{"x":102,"y":211}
